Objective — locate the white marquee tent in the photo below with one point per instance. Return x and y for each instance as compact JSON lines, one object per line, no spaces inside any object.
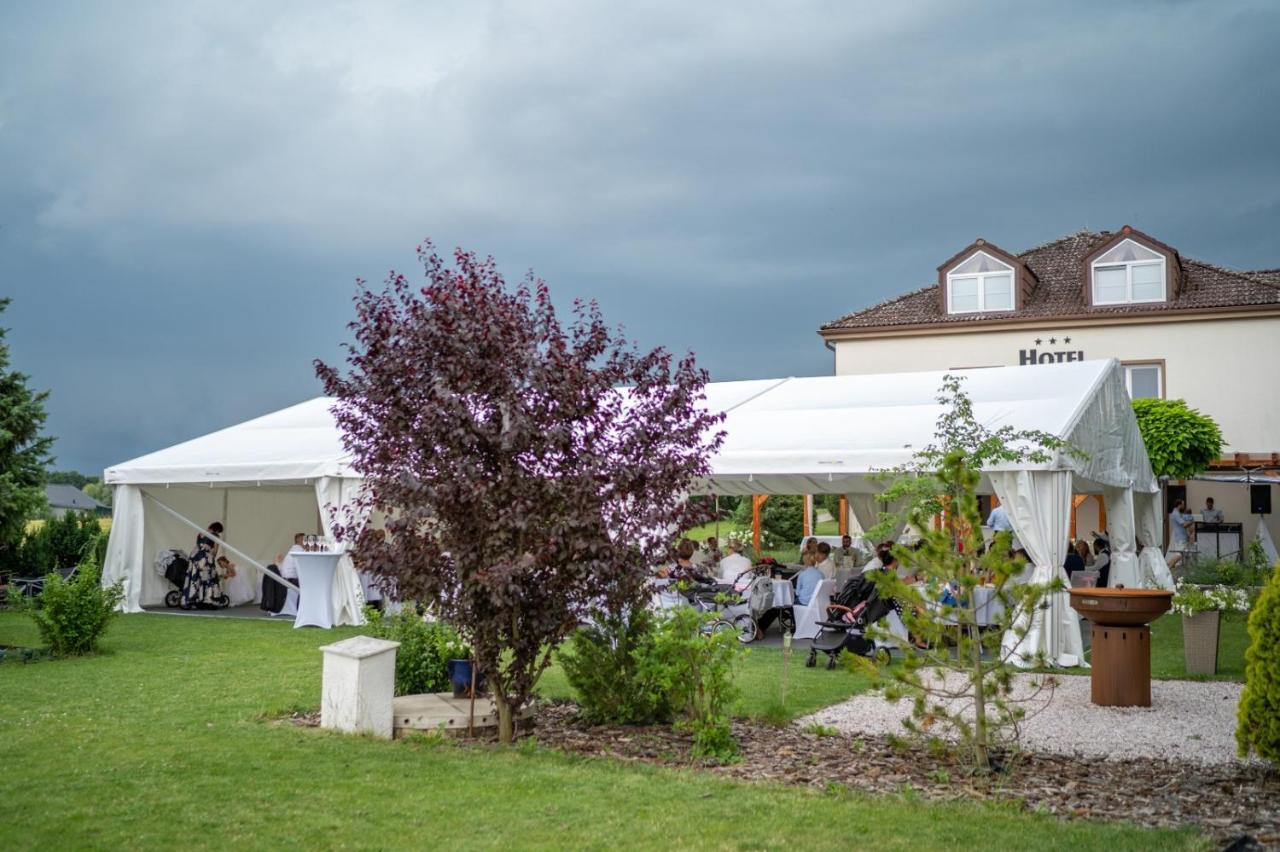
{"x":281,"y":473}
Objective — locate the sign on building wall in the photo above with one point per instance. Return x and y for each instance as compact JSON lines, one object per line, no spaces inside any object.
{"x":1049,"y":356}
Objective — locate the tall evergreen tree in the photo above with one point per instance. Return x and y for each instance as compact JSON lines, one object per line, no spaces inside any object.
{"x":24,"y":451}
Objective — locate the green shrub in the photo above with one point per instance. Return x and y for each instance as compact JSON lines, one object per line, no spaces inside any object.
{"x":603,"y":663}
{"x":695,"y":670}
{"x":57,"y":543}
{"x":1180,"y":441}
{"x":425,"y":649}
{"x":1258,"y":718}
{"x":1249,"y":571}
{"x":72,"y":615}
{"x":781,"y":520}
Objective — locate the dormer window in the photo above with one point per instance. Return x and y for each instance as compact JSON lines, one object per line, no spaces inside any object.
{"x":980,"y":283}
{"x":1128,"y":273}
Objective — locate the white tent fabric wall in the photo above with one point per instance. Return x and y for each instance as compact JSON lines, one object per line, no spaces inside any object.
{"x":1125,"y":570}
{"x":125,"y":546}
{"x":1038,"y":503}
{"x":1149,"y":522}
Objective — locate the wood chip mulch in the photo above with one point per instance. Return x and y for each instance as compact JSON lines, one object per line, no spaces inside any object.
{"x":1237,"y":805}
{"x":1229,"y":803}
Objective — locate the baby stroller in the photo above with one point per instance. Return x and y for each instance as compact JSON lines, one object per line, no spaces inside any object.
{"x":858,"y":605}
{"x":172,"y":565}
{"x":735,"y":616}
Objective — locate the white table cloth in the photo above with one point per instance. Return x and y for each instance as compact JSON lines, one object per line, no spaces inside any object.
{"x":784,"y":594}
{"x":315,"y":578}
{"x":989,"y":606}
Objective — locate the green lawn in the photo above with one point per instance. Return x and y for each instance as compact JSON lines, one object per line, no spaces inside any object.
{"x":787,"y":554}
{"x":1169,"y":663}
{"x":166,"y":740}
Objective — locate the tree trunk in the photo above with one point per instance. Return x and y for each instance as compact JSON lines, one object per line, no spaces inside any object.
{"x":979,"y":692}
{"x":506,"y":717}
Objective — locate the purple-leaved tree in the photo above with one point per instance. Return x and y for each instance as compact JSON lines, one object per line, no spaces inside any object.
{"x":522,"y":488}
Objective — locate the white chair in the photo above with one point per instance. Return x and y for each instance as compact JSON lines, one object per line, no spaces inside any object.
{"x":807,"y":617}
{"x":897,"y":629}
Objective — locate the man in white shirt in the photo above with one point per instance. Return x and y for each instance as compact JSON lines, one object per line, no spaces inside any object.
{"x":1180,"y":526}
{"x":735,"y":564}
{"x":1210,"y":514}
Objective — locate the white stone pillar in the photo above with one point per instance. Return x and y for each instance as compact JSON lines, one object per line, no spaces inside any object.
{"x":358,"y":686}
{"x":1122,"y":532}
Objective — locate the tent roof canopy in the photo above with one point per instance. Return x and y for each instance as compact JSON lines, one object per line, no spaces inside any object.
{"x":784,"y":436}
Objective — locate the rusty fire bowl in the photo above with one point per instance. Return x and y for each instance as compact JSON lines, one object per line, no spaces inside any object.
{"x":1121,"y":607}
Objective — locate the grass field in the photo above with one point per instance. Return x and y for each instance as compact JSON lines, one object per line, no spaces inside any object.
{"x":787,"y":554}
{"x":167,"y":739}
{"x":32,"y":526}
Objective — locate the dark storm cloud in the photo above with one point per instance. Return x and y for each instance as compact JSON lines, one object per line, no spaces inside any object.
{"x":188,"y":190}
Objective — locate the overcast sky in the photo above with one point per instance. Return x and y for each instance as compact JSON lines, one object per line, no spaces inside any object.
{"x":188,"y":190}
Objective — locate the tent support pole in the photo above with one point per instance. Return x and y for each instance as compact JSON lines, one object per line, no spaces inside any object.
{"x":204,"y":532}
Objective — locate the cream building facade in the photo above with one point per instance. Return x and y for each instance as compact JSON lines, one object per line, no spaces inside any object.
{"x":1184,"y":329}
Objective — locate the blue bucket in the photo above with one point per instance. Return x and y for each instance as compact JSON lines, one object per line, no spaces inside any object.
{"x":460,"y":677}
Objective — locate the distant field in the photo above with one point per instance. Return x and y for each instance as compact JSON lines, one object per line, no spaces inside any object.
{"x":32,"y":526}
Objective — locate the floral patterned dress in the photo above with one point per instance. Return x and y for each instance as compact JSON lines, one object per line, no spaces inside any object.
{"x":201,"y":587}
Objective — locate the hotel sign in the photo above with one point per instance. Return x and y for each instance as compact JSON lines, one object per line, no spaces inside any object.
{"x":1049,"y":356}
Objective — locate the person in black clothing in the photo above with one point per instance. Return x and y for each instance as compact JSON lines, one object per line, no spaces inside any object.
{"x":1073,"y":563}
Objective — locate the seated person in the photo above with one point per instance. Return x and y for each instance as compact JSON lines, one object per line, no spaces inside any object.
{"x":807,"y":582}
{"x":846,"y":556}
{"x":683,"y":567}
{"x":735,"y":564}
{"x":1073,"y":562}
{"x":711,"y":554}
{"x":824,"y":563}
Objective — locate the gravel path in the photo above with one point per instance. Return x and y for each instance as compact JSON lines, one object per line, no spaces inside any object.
{"x":1188,"y":721}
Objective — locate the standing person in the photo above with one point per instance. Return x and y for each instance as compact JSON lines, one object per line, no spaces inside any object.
{"x":1180,"y":527}
{"x":1211,"y":515}
{"x":1102,"y":560}
{"x":809,"y":556}
{"x":200,"y":587}
{"x":998,"y":520}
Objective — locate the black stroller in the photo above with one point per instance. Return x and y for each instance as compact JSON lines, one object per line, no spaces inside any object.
{"x":172,"y":565}
{"x":857,"y":605}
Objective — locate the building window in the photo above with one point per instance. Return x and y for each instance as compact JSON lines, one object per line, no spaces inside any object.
{"x":1128,"y":273}
{"x":1144,"y":380}
{"x":980,"y":283}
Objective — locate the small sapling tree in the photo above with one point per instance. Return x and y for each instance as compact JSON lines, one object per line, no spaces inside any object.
{"x":960,"y":677}
{"x":523,"y":488}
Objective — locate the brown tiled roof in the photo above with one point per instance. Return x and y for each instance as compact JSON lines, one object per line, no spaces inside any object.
{"x":1059,"y":292}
